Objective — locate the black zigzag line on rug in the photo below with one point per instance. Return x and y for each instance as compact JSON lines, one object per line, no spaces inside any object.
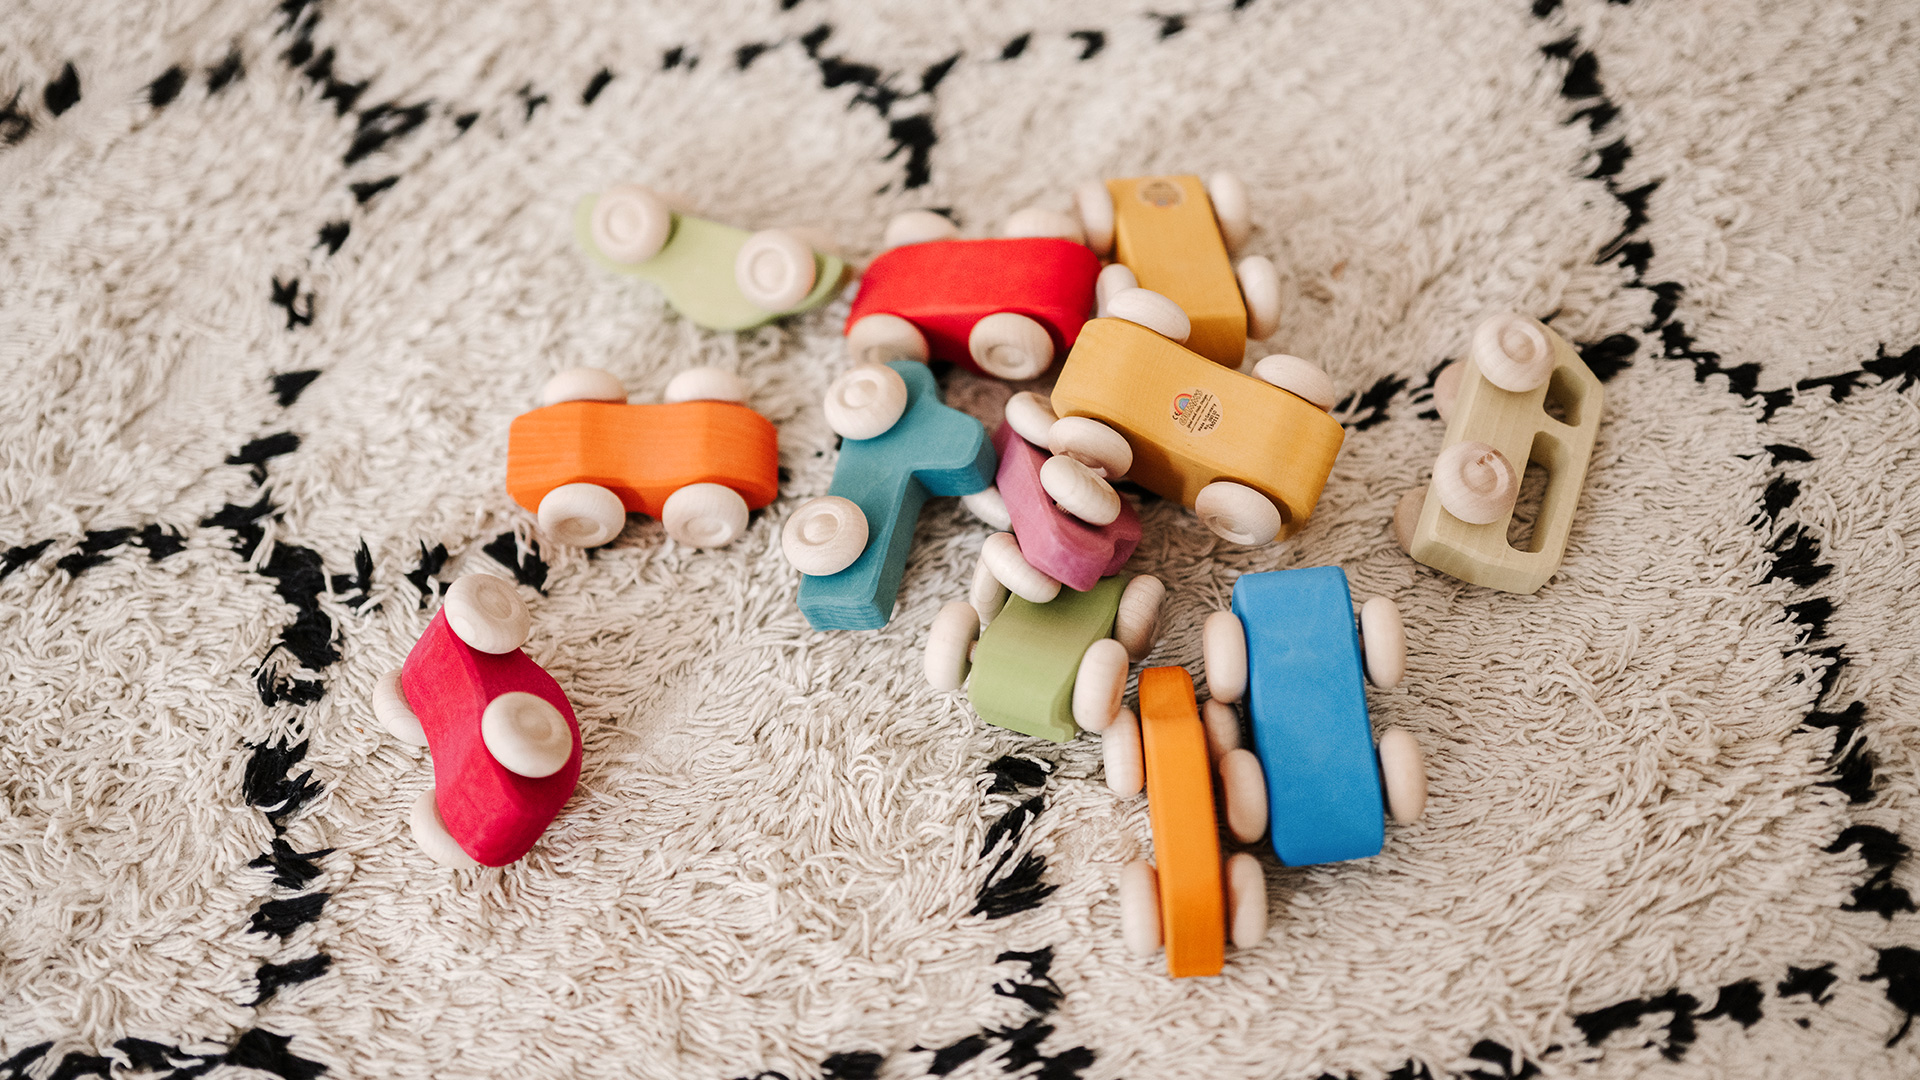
{"x":1607,"y":357}
{"x":1582,"y":84}
{"x":1009,"y":890}
{"x":377,"y":127}
{"x":254,"y":1048}
{"x":61,"y":93}
{"x":1796,"y":560}
{"x":268,"y":784}
{"x":528,"y":567}
{"x":161,"y":540}
{"x":98,"y":546}
{"x":1019,"y":1046}
{"x":1034,"y":988}
{"x":1796,"y":555}
{"x":1581,"y":87}
{"x":913,"y":135}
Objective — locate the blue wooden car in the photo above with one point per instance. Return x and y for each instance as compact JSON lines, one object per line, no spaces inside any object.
{"x":852,"y":544}
{"x":1291,"y":648}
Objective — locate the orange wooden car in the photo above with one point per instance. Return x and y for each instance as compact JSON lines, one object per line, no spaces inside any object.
{"x":1194,"y":901}
{"x":700,"y":462}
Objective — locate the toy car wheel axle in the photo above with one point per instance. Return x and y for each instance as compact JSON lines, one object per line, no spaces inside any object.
{"x":704,"y":515}
{"x":391,"y":709}
{"x":485,"y":612}
{"x":430,"y":832}
{"x":824,"y":536}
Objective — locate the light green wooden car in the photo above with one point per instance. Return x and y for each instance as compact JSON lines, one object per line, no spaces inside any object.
{"x":719,"y":276}
{"x":1048,"y":670}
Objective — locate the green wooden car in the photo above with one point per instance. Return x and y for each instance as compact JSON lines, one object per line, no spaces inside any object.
{"x":721,"y":277}
{"x":1051,"y":669}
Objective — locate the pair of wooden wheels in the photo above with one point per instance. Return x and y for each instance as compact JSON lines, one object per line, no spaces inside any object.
{"x":826,"y":535}
{"x":1259,"y":281}
{"x":1383,"y":643}
{"x":1474,"y":481}
{"x":1225,"y":190}
{"x":1006,"y":344}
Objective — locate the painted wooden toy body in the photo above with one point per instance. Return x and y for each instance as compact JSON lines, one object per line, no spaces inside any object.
{"x":945,"y":287}
{"x":494,"y":814}
{"x":1164,"y":230}
{"x":1307,"y":703}
{"x":1519,"y":427}
{"x":1191,"y":422}
{"x":1186,"y":838}
{"x":696,"y":271}
{"x":1053,"y":541}
{"x":643,"y":453}
{"x":1025,"y":664}
{"x":931,"y":450}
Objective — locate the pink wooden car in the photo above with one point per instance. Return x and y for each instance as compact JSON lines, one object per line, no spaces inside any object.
{"x":1068,"y":525}
{"x":1053,"y":541}
{"x":505,"y":744}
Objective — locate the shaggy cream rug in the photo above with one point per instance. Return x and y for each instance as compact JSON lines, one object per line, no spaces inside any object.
{"x":274,"y":279}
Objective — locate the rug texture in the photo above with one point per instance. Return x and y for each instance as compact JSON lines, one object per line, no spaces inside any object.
{"x":275,"y":278}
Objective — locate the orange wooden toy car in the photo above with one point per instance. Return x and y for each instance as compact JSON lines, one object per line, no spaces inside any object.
{"x":699,"y":462}
{"x":1194,"y":901}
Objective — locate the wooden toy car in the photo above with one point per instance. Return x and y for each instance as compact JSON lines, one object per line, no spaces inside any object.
{"x":1193,"y":901}
{"x":1172,"y":234}
{"x":504,"y":740}
{"x":1498,"y":404}
{"x":900,"y":445}
{"x":1048,"y":670}
{"x":721,"y":277}
{"x":1314,"y":780}
{"x":1249,"y":455}
{"x":699,"y":463}
{"x":1053,"y":546}
{"x":1003,"y":307}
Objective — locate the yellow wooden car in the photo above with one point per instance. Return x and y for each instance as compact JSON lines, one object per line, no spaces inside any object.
{"x":1247,"y":454}
{"x":1173,"y":235}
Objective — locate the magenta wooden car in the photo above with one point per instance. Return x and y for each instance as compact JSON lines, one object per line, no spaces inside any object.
{"x":505,"y":743}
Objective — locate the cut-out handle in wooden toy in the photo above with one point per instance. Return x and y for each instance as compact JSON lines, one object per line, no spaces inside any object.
{"x":1522,"y":427}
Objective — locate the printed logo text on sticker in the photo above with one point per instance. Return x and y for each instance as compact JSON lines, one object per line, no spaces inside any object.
{"x":1196,"y":411}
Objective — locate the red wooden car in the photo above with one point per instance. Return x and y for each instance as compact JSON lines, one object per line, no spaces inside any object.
{"x":505,"y":744}
{"x":1003,"y":307}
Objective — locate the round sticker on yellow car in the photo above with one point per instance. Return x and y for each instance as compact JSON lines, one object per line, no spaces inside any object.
{"x":1161,"y":193}
{"x":1196,"y":411}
